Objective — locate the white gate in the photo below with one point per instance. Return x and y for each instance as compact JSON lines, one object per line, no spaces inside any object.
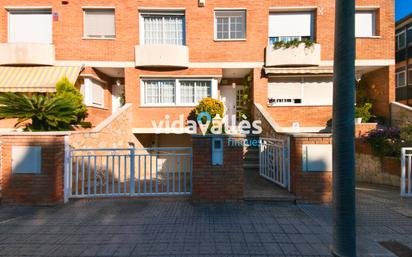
{"x":406,"y":182}
{"x":274,"y":161}
{"x":126,"y":172}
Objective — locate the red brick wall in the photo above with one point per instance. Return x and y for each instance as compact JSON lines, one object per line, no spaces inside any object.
{"x":380,"y":88}
{"x":310,"y":186}
{"x":41,"y":189}
{"x":216,"y":183}
{"x":70,"y":45}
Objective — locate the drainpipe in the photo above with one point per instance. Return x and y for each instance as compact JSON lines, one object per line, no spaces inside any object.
{"x":344,"y":219}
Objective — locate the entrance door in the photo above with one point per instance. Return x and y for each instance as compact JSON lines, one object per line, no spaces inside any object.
{"x":117,"y":92}
{"x":232,"y":99}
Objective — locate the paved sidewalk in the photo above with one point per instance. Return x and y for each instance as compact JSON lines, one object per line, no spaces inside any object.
{"x":179,"y":228}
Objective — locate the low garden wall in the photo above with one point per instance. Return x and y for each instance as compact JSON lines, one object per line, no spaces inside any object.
{"x":374,"y":169}
{"x":32,"y":168}
{"x":217,"y":183}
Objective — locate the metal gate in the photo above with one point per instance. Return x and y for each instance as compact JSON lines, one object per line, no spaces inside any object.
{"x":129,"y":172}
{"x":274,"y":161}
{"x":406,"y":182}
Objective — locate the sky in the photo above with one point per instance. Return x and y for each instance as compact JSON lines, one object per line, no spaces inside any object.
{"x":403,"y":8}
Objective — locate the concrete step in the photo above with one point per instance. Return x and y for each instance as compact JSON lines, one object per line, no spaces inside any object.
{"x":254,"y":166}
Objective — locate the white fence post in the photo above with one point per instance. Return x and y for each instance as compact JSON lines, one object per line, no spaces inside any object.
{"x":406,"y":178}
{"x":66,"y":169}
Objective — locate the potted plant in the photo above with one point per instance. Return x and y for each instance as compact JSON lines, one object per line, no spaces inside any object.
{"x":362,"y":113}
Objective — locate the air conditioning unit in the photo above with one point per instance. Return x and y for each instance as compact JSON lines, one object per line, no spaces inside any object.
{"x":202,"y":3}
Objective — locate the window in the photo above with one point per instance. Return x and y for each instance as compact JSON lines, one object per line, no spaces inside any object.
{"x":230,"y":25}
{"x":300,"y":90}
{"x":400,"y":40}
{"x":99,"y":23}
{"x":401,"y":79}
{"x":192,"y":92}
{"x":93,"y":92}
{"x":163,"y":28}
{"x":30,"y":26}
{"x":409,"y":36}
{"x":290,"y":26}
{"x":365,"y":24}
{"x":175,"y":92}
{"x":410,"y":76}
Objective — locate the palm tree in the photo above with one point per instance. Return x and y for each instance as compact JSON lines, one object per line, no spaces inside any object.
{"x":46,"y":113}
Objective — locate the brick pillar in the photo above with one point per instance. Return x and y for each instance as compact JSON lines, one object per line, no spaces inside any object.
{"x":217,"y":183}
{"x":45,"y":188}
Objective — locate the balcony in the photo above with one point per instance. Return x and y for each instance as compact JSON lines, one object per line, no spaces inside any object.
{"x":293,"y":56}
{"x":162,"y":56}
{"x":27,"y":54}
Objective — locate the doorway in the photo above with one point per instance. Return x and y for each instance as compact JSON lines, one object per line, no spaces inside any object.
{"x":232,"y":100}
{"x":117,"y":94}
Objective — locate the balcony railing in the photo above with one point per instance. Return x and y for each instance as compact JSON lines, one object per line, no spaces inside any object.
{"x":27,"y":54}
{"x":162,"y":56}
{"x":300,"y":55}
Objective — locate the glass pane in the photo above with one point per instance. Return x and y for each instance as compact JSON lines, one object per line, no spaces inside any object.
{"x":187,"y":92}
{"x":164,"y":30}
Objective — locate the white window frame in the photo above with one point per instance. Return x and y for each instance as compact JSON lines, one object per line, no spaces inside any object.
{"x":397,"y":41}
{"x":397,"y":79}
{"x":374,"y":22}
{"x":177,"y":103}
{"x":28,"y":9}
{"x":302,"y":103}
{"x":87,"y":91}
{"x":94,"y":8}
{"x":229,"y":10}
{"x":161,"y":12}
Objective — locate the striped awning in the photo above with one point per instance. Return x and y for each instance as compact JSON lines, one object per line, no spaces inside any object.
{"x":299,"y":71}
{"x":35,"y":79}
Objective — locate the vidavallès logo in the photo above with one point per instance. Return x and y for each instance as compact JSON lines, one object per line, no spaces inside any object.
{"x":206,"y":124}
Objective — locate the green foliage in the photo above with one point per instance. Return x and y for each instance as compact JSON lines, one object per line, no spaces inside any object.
{"x":364,"y":112}
{"x":246,"y":98}
{"x":122,"y":99}
{"x":209,"y":105}
{"x":67,"y":90}
{"x":389,"y":141}
{"x":364,"y":106}
{"x":46,"y":113}
{"x":293,"y":43}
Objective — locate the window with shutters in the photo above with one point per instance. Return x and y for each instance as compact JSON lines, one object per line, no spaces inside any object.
{"x":163,"y":28}
{"x":291,"y":26}
{"x":30,"y":26}
{"x":365,"y":24}
{"x":93,"y":92}
{"x":300,"y":91}
{"x":230,"y":25}
{"x":99,"y":23}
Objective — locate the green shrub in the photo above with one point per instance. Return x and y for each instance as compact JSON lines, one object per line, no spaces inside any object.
{"x":364,"y":112}
{"x":67,"y":90}
{"x":209,"y":105}
{"x":389,"y":141}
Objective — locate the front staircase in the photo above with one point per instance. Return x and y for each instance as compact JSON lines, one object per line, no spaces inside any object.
{"x":256,"y":187}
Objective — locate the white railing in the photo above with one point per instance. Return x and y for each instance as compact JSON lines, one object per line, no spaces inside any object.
{"x":130,"y":172}
{"x":406,"y":163}
{"x":275,"y":161}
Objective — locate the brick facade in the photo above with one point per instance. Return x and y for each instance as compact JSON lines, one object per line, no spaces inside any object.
{"x":310,"y":186}
{"x":205,"y":51}
{"x":40,"y":189}
{"x":217,"y":183}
